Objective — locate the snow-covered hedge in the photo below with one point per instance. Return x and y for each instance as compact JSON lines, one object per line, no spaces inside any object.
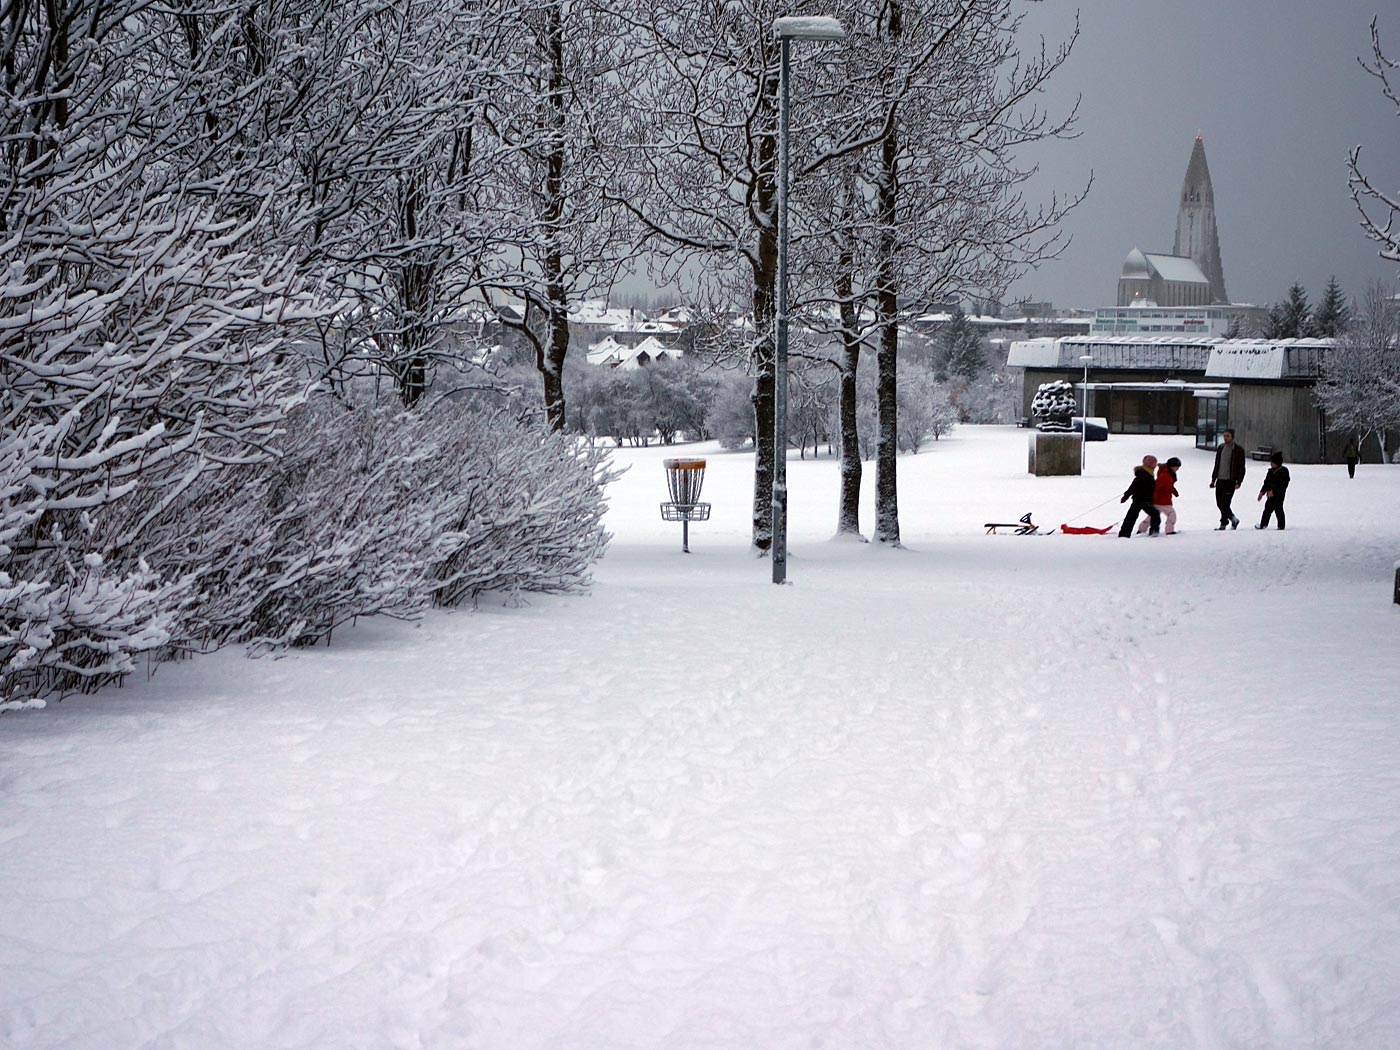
{"x":375,"y":509}
{"x":364,"y":509}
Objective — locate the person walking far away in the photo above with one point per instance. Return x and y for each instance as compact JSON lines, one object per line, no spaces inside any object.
{"x":1351,"y":454}
{"x":1227,"y":476}
{"x":1273,"y":490}
{"x":1140,"y":491}
{"x":1162,"y":493}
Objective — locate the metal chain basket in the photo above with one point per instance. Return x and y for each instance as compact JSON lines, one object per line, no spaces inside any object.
{"x":684,"y":479}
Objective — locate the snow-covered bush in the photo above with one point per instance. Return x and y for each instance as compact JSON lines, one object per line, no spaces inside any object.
{"x":662,"y":400}
{"x":731,"y":416}
{"x":80,"y":631}
{"x":373,"y":509}
{"x":993,"y":397}
{"x":922,"y":405}
{"x":1054,"y":405}
{"x":527,"y":514}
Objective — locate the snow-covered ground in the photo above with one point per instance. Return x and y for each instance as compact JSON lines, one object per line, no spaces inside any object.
{"x":981,"y":792}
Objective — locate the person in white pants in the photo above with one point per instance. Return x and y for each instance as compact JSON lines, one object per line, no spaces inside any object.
{"x":1163,"y":489}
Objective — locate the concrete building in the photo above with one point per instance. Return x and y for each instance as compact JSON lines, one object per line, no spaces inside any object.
{"x":1142,"y":318}
{"x":1183,"y":385}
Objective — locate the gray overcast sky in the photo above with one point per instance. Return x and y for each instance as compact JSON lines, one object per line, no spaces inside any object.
{"x":1274,"y":89}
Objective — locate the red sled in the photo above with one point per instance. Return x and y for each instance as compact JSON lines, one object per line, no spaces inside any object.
{"x":1084,"y":530}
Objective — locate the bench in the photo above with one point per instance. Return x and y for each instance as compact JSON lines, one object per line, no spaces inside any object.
{"x":1263,"y":452}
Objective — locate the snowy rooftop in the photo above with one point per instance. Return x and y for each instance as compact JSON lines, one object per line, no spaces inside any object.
{"x":606,"y":351}
{"x":1140,"y":265}
{"x":640,"y":325}
{"x":1211,"y":356}
{"x":598,"y":312}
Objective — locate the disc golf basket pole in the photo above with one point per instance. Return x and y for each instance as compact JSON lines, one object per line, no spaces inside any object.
{"x":684,"y":477}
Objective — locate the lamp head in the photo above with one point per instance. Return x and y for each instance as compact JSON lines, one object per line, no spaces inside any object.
{"x":805,"y":27}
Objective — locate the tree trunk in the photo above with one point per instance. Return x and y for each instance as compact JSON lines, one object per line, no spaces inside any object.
{"x":887,"y":447}
{"x":848,"y":505}
{"x":552,"y":367}
{"x":551,"y":355}
{"x":887,"y":357}
{"x":887,"y":317}
{"x":763,"y":441}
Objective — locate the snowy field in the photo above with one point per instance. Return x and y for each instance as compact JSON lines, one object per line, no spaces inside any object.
{"x":982,"y":792}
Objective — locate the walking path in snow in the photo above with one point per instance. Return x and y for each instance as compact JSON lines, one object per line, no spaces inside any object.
{"x":980,"y":792}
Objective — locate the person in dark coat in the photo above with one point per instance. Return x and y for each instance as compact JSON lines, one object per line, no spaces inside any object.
{"x":1227,"y":476}
{"x":1140,"y":491}
{"x":1164,"y":488}
{"x":1352,"y":455}
{"x":1273,"y":490}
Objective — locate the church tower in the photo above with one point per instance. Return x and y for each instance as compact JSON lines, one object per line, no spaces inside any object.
{"x":1195,"y":222}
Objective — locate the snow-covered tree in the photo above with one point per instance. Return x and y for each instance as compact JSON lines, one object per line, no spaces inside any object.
{"x":731,"y":414}
{"x":349,"y":128}
{"x":993,"y":397}
{"x":1360,"y":387}
{"x":1379,"y":208}
{"x":703,"y":161}
{"x":556,"y":116}
{"x":937,"y":113}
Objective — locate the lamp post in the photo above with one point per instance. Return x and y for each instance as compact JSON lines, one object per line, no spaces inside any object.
{"x":786,"y":30}
{"x":1084,"y":415}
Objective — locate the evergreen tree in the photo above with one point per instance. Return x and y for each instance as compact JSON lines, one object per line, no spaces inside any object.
{"x":1329,"y":318}
{"x":959,"y":349}
{"x":1290,"y":319}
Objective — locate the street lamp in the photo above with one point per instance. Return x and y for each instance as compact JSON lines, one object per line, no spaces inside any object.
{"x":786,"y":30}
{"x":1084,"y":416}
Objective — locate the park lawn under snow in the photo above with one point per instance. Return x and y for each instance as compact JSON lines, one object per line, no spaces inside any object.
{"x":983,"y":791}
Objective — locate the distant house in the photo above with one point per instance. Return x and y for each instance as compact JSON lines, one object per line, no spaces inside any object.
{"x":607,"y":351}
{"x":635,"y":331}
{"x":648,"y":351}
{"x":592,"y":319}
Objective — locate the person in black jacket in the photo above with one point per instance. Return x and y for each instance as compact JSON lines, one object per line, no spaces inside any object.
{"x":1273,"y":490}
{"x":1227,"y":476}
{"x":1140,"y":492}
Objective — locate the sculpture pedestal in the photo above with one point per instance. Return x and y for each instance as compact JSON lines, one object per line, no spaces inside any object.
{"x":1055,"y":454}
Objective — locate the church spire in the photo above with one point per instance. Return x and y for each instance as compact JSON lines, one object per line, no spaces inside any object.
{"x":1196,"y":235}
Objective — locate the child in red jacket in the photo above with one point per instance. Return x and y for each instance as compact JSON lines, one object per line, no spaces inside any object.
{"x":1163,"y":489}
{"x":1141,"y":493}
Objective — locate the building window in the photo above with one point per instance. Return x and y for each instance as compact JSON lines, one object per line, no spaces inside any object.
{"x":1212,"y":417}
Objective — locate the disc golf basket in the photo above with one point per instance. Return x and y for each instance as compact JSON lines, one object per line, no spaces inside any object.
{"x":684,"y":477}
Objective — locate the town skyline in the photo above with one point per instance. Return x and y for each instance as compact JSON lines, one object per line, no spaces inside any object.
{"x":1276,"y":93}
